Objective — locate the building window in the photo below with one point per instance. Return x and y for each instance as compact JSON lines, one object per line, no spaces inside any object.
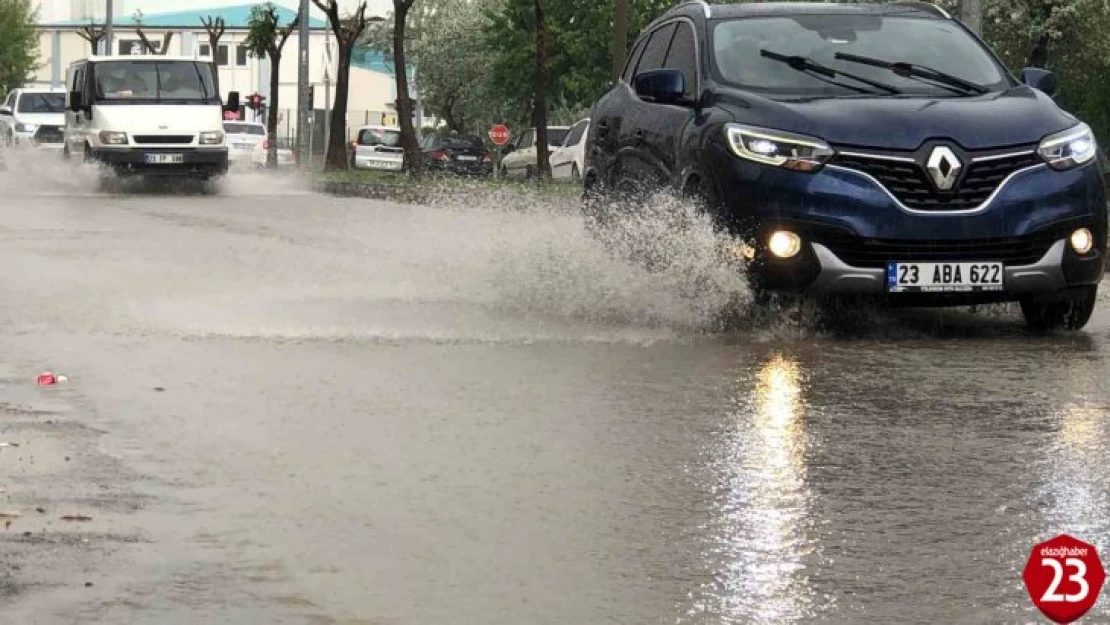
{"x":134,"y":47}
{"x":222,"y":56}
{"x":241,"y":55}
{"x":204,"y":50}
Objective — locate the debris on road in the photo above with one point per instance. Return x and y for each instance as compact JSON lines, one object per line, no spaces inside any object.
{"x":9,"y":444}
{"x":76,"y":517}
{"x":10,"y":514}
{"x":49,"y":378}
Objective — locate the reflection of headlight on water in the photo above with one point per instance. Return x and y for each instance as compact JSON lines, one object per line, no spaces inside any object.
{"x":760,"y":576}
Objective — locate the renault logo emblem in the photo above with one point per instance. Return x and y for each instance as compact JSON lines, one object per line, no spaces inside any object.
{"x":943,"y":167}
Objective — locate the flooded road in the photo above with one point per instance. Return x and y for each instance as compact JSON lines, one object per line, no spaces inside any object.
{"x":289,"y":408}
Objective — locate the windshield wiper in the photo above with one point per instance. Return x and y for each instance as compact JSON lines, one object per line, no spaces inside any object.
{"x":910,"y":70}
{"x":804,"y":64}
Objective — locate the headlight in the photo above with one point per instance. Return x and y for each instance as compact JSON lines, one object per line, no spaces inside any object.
{"x":1070,"y":148}
{"x":21,"y":127}
{"x":108,"y":137}
{"x":781,"y":149}
{"x":211,"y":138}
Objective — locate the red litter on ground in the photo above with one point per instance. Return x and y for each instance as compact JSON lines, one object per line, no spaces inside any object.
{"x":49,"y":378}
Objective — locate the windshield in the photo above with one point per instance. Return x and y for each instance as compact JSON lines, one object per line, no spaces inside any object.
{"x":937,"y":44}
{"x":42,"y":103}
{"x":245,"y":129}
{"x":143,"y":81}
{"x":379,"y":136}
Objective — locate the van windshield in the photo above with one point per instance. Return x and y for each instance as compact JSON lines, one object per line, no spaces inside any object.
{"x":941,"y":45}
{"x":123,"y":82}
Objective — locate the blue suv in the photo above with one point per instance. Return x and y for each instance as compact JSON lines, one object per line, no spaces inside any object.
{"x":862,"y":149}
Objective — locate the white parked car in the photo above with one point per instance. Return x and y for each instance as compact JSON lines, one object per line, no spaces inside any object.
{"x":569,"y":160}
{"x":243,"y":139}
{"x":520,"y":161}
{"x":34,"y":117}
{"x":378,"y":147}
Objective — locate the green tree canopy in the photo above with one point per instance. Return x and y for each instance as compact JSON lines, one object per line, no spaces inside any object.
{"x":19,"y":43}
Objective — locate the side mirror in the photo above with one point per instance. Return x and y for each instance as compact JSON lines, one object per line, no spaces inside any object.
{"x":663,"y":86}
{"x":232,"y":105}
{"x":75,"y":104}
{"x":5,"y":110}
{"x":1041,"y":79}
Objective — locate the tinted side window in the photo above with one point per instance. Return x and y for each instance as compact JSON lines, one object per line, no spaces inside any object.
{"x":656,"y":50}
{"x":683,"y":57}
{"x":633,"y":58}
{"x":575,"y":134}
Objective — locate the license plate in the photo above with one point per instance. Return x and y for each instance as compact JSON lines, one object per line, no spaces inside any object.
{"x":468,"y":158}
{"x":942,"y":277}
{"x":163,"y":159}
{"x":385,"y":165}
{"x":243,"y":146}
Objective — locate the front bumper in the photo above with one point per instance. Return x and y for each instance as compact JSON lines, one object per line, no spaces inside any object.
{"x":194,"y":161}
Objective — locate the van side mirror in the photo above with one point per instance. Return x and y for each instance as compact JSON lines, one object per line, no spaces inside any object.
{"x":232,"y":105}
{"x":5,"y":109}
{"x":1041,"y":79}
{"x":75,"y":104}
{"x":662,"y":86}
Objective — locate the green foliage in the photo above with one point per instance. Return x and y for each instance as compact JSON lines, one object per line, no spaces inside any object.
{"x":19,"y":43}
{"x":265,"y":34}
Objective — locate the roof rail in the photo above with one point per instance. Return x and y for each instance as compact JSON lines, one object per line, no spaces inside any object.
{"x":704,"y":6}
{"x":926,"y":6}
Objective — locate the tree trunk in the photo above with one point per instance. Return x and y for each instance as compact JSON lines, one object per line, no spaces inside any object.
{"x":272,"y":117}
{"x":414,"y":159}
{"x":543,"y":162}
{"x":1038,"y":57}
{"x":620,"y":36}
{"x":337,"y":133}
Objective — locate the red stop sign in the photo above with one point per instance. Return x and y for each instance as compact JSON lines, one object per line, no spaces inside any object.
{"x":1064,"y":577}
{"x":499,"y":134}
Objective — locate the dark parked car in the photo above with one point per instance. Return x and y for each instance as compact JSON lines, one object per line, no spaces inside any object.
{"x":456,"y":154}
{"x":862,"y":149}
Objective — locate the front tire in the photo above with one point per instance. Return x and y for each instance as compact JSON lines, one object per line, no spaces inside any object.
{"x":1071,"y":313}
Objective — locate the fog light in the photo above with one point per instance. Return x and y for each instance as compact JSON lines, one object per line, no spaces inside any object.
{"x":784,"y":244}
{"x":1082,"y":241}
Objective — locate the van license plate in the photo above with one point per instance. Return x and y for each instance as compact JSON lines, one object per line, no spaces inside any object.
{"x":164,"y":159}
{"x":943,"y":277}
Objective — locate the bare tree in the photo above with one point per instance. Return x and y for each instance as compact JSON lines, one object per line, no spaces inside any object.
{"x":93,"y":34}
{"x":148,"y":47}
{"x":348,"y":31}
{"x":620,"y":36}
{"x":215,"y":28}
{"x":266,"y":38}
{"x":539,"y":112}
{"x":414,"y":160}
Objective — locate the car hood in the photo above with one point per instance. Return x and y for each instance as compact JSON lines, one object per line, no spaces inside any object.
{"x":1021,"y":115}
{"x":42,"y":119}
{"x":159,"y":118}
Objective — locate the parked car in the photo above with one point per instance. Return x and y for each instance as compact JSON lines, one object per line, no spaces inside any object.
{"x":456,"y":154}
{"x":378,"y":147}
{"x":568,"y":161}
{"x":520,"y":153}
{"x":33,"y":117}
{"x":243,"y":139}
{"x":862,"y":149}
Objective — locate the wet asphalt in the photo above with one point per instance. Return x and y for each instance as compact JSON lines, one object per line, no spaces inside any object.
{"x":290,"y":408}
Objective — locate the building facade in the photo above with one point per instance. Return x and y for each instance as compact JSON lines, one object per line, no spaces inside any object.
{"x":373,"y":87}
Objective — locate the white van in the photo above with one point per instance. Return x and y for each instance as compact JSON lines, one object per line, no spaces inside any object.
{"x":147,"y":115}
{"x":378,"y":147}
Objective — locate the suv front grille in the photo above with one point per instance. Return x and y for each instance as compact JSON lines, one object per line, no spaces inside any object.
{"x":163,"y":139}
{"x":1012,"y":251}
{"x":908,"y":182}
{"x":49,"y":134}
